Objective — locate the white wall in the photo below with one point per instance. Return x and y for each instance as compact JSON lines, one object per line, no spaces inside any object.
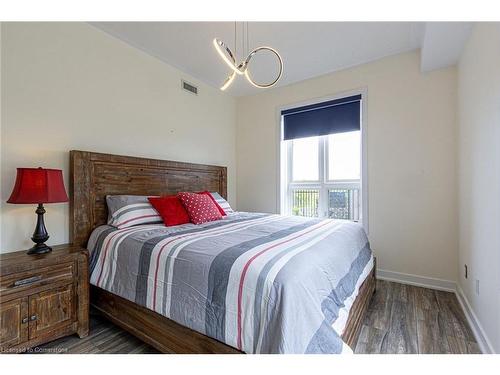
{"x":411,"y":124}
{"x":479,"y":175}
{"x":70,"y":86}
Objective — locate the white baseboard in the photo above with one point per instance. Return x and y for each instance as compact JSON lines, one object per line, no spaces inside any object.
{"x":481,"y":337}
{"x":449,"y":286}
{"x":423,"y":281}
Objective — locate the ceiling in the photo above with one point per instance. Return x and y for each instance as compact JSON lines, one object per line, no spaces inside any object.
{"x":308,"y":49}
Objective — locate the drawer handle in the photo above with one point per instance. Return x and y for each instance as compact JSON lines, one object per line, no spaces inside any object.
{"x":25,"y":320}
{"x":29,"y":280}
{"x":33,"y":318}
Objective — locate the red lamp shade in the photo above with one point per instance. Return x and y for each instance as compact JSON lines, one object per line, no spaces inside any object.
{"x":38,"y":185}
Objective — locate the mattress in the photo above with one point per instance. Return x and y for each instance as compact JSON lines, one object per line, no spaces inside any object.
{"x":260,"y":283}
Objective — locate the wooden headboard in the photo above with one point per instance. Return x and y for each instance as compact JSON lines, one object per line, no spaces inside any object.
{"x":95,"y":175}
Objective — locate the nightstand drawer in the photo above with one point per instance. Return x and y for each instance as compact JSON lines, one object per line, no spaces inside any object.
{"x":35,"y":278}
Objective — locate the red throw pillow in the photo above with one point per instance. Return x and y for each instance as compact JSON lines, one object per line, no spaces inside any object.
{"x":199,"y":207}
{"x":221,"y":210}
{"x":170,"y":209}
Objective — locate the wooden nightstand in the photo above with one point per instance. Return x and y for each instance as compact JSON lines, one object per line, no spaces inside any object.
{"x":43,"y":297}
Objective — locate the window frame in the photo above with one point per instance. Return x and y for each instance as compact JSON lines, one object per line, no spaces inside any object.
{"x":323,"y":184}
{"x":284,"y":172}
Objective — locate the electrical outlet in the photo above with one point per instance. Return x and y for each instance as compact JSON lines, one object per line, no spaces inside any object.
{"x":466,"y":271}
{"x":477,"y":286}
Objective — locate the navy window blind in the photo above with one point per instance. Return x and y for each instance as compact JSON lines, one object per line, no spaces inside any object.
{"x":335,"y":116}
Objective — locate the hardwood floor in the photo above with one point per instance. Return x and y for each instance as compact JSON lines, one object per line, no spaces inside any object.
{"x":400,"y":319}
{"x":104,"y":338}
{"x":408,"y":319}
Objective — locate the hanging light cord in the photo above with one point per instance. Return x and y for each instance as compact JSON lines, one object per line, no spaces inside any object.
{"x":248,"y":44}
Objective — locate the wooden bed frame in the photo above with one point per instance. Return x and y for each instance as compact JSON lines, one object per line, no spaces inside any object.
{"x":95,"y":175}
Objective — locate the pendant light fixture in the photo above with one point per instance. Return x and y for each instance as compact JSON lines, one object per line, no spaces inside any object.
{"x":242,"y":68}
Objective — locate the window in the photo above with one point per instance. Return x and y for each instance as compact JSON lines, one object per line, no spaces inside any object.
{"x":322,"y":173}
{"x":344,"y":156}
{"x":305,"y":162}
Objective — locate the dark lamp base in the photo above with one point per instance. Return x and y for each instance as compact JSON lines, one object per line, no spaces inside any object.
{"x":40,"y":235}
{"x":40,"y":248}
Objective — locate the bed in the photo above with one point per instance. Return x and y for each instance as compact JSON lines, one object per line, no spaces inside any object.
{"x":253,"y":283}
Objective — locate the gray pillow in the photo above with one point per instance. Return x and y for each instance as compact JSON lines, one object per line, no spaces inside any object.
{"x":128,"y":210}
{"x":222,"y":203}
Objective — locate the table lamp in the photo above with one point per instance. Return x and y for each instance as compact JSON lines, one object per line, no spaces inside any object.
{"x":38,"y":185}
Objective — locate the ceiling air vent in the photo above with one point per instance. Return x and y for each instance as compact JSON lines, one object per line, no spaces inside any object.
{"x":189,"y":87}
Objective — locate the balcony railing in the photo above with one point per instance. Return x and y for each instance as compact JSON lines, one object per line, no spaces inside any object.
{"x":305,"y":202}
{"x":343,"y":203}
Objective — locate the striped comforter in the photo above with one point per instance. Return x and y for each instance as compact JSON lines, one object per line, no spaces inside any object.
{"x":257,"y":282}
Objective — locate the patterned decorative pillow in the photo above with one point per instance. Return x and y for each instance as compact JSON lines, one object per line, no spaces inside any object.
{"x":199,"y":207}
{"x":128,"y":210}
{"x":221,"y":210}
{"x":222,"y":203}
